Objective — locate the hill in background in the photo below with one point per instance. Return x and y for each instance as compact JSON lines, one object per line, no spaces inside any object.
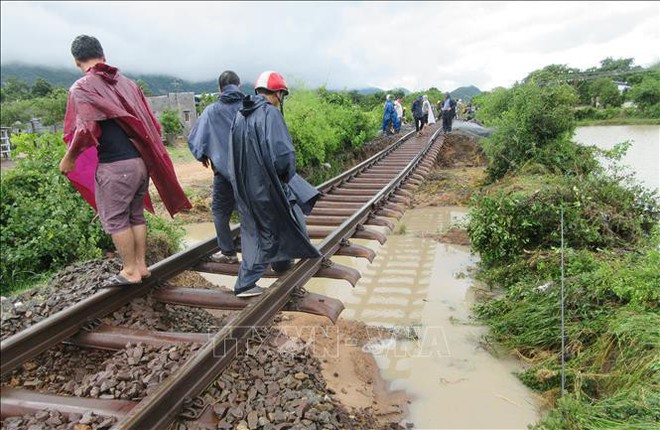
{"x":163,"y":84}
{"x":465,"y":93}
{"x":62,"y":77}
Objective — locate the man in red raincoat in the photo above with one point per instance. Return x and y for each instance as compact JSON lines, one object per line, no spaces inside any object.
{"x":114,"y":147}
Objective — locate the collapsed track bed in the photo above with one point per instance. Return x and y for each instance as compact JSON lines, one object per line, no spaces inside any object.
{"x":151,"y":353}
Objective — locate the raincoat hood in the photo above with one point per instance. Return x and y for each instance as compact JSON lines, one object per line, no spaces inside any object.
{"x":231,"y":94}
{"x":251,"y":104}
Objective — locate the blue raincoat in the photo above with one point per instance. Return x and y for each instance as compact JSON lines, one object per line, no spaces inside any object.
{"x":261,"y":163}
{"x":390,"y":115}
{"x":209,"y":138}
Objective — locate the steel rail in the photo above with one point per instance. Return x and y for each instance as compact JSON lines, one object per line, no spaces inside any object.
{"x":47,"y":333}
{"x":157,"y":410}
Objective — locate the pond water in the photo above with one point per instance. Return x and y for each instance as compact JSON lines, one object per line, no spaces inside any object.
{"x":643,"y":157}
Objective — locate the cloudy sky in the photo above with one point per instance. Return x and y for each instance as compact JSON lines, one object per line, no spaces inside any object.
{"x":339,"y":44}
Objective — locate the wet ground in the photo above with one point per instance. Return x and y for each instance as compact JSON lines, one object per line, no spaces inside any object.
{"x":423,"y":289}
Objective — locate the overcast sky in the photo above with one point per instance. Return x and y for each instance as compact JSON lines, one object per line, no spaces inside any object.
{"x":339,"y":44}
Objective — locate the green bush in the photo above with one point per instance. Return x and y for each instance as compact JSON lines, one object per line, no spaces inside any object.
{"x":325,"y":124}
{"x":171,"y":125}
{"x":530,"y":121}
{"x":523,"y":215}
{"x":646,"y":94}
{"x":49,"y":108}
{"x":45,"y":223}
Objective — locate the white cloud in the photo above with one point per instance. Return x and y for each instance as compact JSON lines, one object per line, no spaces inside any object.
{"x":340,"y":44}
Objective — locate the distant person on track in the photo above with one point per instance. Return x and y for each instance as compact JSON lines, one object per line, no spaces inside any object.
{"x":390,"y":117}
{"x":262,"y":170}
{"x":418,"y":114}
{"x":398,"y":108}
{"x":428,"y":108}
{"x":114,"y":147}
{"x":209,"y":143}
{"x":448,"y":110}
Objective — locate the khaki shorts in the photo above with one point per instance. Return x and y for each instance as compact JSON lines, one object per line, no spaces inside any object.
{"x":120,"y":190}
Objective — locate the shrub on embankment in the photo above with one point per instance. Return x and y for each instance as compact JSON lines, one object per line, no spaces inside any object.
{"x":325,"y":126}
{"x":612,"y":268}
{"x":45,"y":223}
{"x":520,"y":215}
{"x":533,"y":125}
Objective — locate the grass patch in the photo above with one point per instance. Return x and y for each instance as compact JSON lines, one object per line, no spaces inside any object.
{"x":613,"y":340}
{"x":179,"y":153}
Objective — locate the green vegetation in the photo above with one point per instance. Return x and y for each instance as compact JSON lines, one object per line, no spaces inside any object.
{"x":22,"y":103}
{"x":520,"y":215}
{"x":172,"y":126}
{"x":144,"y":87}
{"x":45,"y":224}
{"x":324,"y":124}
{"x":597,"y":99}
{"x":205,"y":100}
{"x":536,"y":118}
{"x":612,"y":262}
{"x":180,"y":153}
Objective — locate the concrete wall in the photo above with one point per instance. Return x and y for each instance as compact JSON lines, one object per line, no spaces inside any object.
{"x":184,"y":103}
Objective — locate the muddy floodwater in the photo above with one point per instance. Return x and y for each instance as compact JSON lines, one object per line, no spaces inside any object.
{"x":642,"y":159}
{"x":424,"y":289}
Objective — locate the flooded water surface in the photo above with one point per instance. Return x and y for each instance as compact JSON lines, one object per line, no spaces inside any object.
{"x":423,"y":289}
{"x":643,"y":158}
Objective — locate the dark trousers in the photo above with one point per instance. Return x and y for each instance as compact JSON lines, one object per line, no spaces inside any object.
{"x":446,"y":121}
{"x":419,"y":124}
{"x":223,"y":205}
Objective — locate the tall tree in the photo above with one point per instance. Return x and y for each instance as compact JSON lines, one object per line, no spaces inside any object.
{"x":606,"y":91}
{"x":15,"y":89}
{"x":41,"y":88}
{"x":145,"y":87}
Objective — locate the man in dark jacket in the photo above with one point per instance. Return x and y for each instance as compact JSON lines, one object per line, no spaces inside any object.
{"x":448,"y":111}
{"x":209,"y":143}
{"x":261,"y":165}
{"x":418,"y":114}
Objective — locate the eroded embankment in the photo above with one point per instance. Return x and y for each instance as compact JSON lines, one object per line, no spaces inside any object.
{"x":611,"y":286}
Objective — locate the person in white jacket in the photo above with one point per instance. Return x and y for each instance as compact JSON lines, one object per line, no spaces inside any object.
{"x":398,"y":108}
{"x":426,"y":107}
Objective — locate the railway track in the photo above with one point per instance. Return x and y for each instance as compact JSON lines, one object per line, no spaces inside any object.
{"x":372,"y":193}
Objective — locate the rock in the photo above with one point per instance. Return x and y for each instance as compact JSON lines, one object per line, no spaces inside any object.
{"x":252,"y":420}
{"x":219,"y":410}
{"x":87,"y":418}
{"x":13,"y":423}
{"x":236,"y":412}
{"x":41,"y":415}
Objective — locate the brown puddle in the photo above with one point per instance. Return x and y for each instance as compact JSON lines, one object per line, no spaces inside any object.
{"x":422,"y":288}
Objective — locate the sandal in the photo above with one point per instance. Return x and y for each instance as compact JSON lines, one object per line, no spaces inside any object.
{"x":120,"y":281}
